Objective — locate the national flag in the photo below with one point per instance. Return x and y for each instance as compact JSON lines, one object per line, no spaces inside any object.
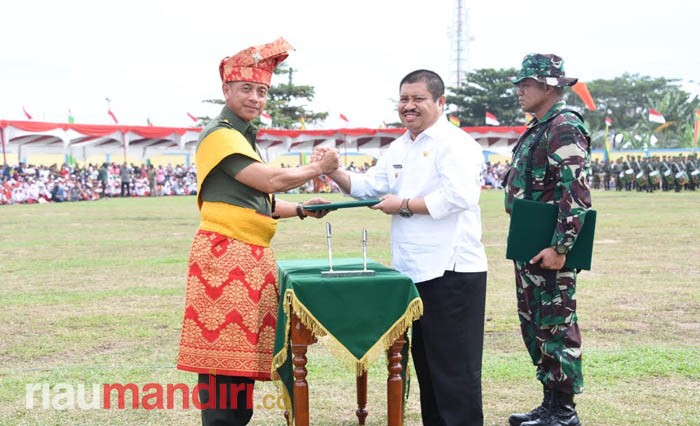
{"x":266,"y":119}
{"x":491,"y":120}
{"x":71,"y":119}
{"x":608,"y":121}
{"x":454,"y":120}
{"x":581,"y":89}
{"x":193,"y":118}
{"x":114,"y":117}
{"x":656,"y":117}
{"x":344,"y":118}
{"x":26,"y":114}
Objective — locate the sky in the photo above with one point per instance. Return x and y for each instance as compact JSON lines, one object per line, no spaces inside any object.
{"x":158,"y":59}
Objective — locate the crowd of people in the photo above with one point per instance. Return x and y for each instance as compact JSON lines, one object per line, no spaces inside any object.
{"x":28,"y":184}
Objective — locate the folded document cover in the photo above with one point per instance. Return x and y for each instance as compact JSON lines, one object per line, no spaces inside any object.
{"x":532,"y":225}
{"x":342,"y":204}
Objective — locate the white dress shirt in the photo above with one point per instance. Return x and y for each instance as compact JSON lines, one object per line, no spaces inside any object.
{"x":442,"y":166}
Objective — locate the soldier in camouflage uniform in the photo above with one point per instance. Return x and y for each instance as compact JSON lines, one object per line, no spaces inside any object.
{"x":677,"y":166}
{"x":617,"y":170}
{"x":596,"y":171}
{"x":637,"y":167}
{"x":628,"y":181}
{"x":666,"y":174}
{"x":648,"y":169}
{"x":545,"y":289}
{"x":691,"y":168}
{"x":607,"y":169}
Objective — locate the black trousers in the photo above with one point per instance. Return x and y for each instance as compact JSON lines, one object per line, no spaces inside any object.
{"x":447,"y":348}
{"x":126,"y":189}
{"x":232,"y":406}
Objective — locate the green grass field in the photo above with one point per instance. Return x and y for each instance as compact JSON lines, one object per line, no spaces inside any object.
{"x":93,"y":293}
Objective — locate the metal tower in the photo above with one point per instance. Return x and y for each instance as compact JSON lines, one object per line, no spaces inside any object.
{"x":459,"y":43}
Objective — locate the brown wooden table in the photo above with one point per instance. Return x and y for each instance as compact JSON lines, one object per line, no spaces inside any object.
{"x":361,"y":313}
{"x":301,"y":338}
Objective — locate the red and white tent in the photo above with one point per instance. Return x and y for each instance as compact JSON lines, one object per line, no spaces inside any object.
{"x":21,"y":137}
{"x":494,"y":140}
{"x":82,"y":140}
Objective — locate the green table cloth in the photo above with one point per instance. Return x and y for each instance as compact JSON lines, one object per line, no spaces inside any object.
{"x":360,"y":315}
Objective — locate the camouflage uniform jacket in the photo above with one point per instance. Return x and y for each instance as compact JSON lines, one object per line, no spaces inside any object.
{"x":560,"y":166}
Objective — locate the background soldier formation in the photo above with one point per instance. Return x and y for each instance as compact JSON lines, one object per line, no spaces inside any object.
{"x":648,"y":174}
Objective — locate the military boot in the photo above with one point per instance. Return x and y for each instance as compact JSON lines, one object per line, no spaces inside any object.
{"x":518,"y":419}
{"x":561,"y":412}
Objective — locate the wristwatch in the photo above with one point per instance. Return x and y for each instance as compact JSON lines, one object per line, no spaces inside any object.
{"x":404,"y":211}
{"x":561,"y":249}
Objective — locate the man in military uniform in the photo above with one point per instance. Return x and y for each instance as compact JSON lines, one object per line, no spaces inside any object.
{"x":596,"y":171}
{"x":648,"y":168}
{"x":666,"y":174}
{"x":103,"y":178}
{"x":677,"y":167}
{"x":618,"y":172}
{"x":607,"y":169}
{"x":557,"y":146}
{"x":639,"y":181}
{"x":628,"y":177}
{"x":691,"y":168}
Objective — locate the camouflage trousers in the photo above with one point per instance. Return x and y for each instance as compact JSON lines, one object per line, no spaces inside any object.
{"x":548,"y":323}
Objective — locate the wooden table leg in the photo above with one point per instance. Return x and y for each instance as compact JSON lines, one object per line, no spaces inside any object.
{"x":362,"y":398}
{"x":301,"y":339}
{"x":394,"y":386}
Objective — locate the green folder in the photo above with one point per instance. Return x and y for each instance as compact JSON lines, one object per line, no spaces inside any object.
{"x":532,"y":225}
{"x":342,"y":204}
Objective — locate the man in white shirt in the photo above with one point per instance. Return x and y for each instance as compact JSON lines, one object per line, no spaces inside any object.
{"x":429,"y":181}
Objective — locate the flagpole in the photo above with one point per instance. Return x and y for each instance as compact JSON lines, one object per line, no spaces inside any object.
{"x":697,"y":130}
{"x":607,"y":143}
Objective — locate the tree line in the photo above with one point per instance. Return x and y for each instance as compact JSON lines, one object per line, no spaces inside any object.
{"x":625,"y":100}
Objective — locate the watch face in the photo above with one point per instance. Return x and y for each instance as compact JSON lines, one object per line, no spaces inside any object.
{"x":561,"y":249}
{"x":404,"y":212}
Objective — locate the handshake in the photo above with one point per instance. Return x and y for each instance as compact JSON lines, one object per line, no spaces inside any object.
{"x":328,"y":159}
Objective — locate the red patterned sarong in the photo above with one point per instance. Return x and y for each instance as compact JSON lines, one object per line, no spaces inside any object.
{"x":230,"y":308}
